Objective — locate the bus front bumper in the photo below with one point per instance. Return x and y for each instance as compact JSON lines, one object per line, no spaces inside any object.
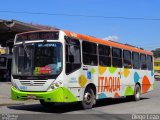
{"x":61,"y":94}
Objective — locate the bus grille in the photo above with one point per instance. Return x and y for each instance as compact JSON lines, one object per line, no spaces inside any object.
{"x":33,"y":82}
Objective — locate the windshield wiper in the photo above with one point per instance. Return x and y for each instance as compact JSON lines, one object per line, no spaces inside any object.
{"x":26,"y":49}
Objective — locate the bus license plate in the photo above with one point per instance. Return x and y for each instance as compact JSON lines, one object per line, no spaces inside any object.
{"x":31,"y":97}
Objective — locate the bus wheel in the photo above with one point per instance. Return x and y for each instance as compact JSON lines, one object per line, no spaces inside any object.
{"x":47,"y":104}
{"x":137,"y":93}
{"x":89,"y":98}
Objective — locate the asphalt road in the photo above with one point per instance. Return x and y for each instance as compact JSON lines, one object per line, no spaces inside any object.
{"x":119,"y":108}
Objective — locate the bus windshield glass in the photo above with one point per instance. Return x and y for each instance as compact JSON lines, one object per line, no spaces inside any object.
{"x":37,"y":59}
{"x":54,"y":35}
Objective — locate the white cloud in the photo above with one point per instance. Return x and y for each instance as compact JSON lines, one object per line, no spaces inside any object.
{"x":113,"y":38}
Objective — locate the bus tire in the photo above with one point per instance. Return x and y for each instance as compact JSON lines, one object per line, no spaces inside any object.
{"x":136,"y":95}
{"x":89,"y":98}
{"x":137,"y":92}
{"x":47,"y":104}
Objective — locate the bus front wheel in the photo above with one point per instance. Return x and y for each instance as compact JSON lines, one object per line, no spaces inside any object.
{"x":89,"y":98}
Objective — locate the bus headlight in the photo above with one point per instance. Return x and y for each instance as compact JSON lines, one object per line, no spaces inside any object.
{"x":15,"y":85}
{"x":56,"y":85}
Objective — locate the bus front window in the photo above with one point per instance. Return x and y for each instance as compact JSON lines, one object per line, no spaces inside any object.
{"x":37,"y":59}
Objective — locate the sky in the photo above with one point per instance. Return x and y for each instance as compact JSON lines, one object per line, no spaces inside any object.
{"x":137,"y":32}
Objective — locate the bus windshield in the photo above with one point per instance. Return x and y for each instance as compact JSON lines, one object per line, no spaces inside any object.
{"x":37,"y":59}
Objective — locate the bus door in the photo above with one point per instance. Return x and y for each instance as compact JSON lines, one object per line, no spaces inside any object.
{"x":73,"y":63}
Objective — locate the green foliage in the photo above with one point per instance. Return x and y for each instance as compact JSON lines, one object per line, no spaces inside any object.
{"x":156,"y":52}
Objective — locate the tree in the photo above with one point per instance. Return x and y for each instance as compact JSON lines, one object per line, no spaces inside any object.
{"x":156,"y":52}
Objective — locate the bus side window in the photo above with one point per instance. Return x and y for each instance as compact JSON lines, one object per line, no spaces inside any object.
{"x":149,"y":62}
{"x":143,"y":61}
{"x":116,"y":57}
{"x":127,"y":59}
{"x":104,"y":55}
{"x":73,"y":58}
{"x":90,"y":56}
{"x":135,"y":59}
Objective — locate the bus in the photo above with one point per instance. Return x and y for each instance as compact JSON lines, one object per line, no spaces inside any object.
{"x":157,"y":68}
{"x":59,"y":66}
{"x":5,"y":67}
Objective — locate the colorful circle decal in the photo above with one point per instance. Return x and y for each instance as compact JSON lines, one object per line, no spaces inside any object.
{"x":82,"y":80}
{"x":101,"y":69}
{"x":145,"y":84}
{"x":136,"y":77}
{"x":102,"y":95}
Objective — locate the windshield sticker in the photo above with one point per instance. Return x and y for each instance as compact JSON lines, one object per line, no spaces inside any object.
{"x":43,"y":70}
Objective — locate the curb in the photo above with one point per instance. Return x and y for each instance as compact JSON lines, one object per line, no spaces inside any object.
{"x":8,"y":83}
{"x":7,"y":104}
{"x":12,"y":102}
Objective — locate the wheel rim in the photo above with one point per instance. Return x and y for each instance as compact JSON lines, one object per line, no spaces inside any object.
{"x":88,"y":98}
{"x":137,"y":93}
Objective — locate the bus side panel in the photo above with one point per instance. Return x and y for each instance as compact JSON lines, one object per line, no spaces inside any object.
{"x":78,"y":80}
{"x":72,"y":83}
{"x":116,"y":82}
{"x":110,"y":82}
{"x":147,"y":81}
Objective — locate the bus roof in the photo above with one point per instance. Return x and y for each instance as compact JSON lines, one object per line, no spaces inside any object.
{"x":36,"y":31}
{"x":97,"y":40}
{"x":107,"y":42}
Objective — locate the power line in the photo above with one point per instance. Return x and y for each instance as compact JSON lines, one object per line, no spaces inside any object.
{"x":148,"y":46}
{"x":80,"y":15}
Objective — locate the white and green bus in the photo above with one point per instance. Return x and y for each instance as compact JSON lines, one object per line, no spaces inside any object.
{"x":61,"y":66}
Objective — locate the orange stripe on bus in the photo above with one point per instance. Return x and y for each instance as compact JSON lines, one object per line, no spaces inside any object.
{"x":105,"y":42}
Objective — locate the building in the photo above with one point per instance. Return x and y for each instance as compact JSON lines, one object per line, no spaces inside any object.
{"x":8,"y":29}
